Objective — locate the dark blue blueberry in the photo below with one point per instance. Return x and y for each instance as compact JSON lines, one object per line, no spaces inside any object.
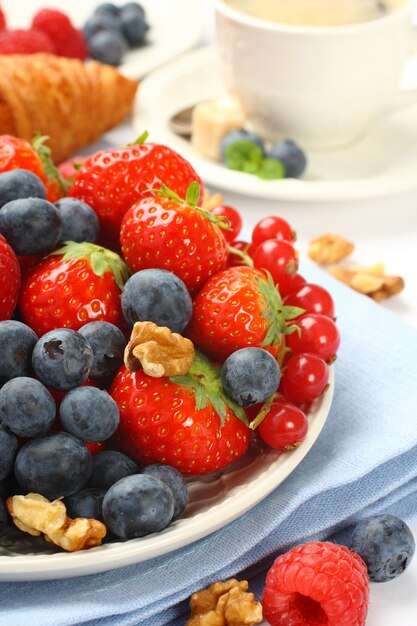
{"x":85,"y":503}
{"x":386,"y":544}
{"x":17,"y":184}
{"x":291,"y":156}
{"x":138,"y":505}
{"x":107,"y":7}
{"x":109,"y":467}
{"x":157,"y":296}
{"x":89,"y":413}
{"x":104,"y":20}
{"x":134,"y":27}
{"x":108,"y":344}
{"x":108,"y":47}
{"x":16,"y":346}
{"x":27,"y":408}
{"x":31,"y":225}
{"x":55,"y":465}
{"x":4,"y":517}
{"x":8,"y":449}
{"x":237,"y":135}
{"x":79,"y":221}
{"x":173,"y":478}
{"x":133,"y":7}
{"x":250,"y":376}
{"x":62,"y":359}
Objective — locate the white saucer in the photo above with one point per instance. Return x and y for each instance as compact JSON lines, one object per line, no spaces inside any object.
{"x":175,"y":27}
{"x":382,"y":163}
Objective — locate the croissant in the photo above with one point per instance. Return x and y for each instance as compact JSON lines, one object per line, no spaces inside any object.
{"x":70,"y":101}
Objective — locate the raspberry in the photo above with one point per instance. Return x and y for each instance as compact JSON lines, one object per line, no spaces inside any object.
{"x":25,"y":42}
{"x":68,"y":41}
{"x":317,"y":584}
{"x":2,"y":20}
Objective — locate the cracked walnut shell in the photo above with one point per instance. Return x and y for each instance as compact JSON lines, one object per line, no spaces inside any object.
{"x":370,"y":281}
{"x":225,"y":604}
{"x":158,"y":351}
{"x":329,"y":248}
{"x":36,"y":515}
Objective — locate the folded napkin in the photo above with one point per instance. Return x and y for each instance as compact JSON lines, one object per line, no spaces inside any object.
{"x":364,"y":461}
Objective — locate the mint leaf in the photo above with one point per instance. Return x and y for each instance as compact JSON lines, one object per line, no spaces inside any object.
{"x":244,"y":156}
{"x":271,"y":169}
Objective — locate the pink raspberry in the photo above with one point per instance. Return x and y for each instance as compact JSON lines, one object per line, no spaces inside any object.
{"x":24,"y":42}
{"x":317,"y":584}
{"x":68,"y":41}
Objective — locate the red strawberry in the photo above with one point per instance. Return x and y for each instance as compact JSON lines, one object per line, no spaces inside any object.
{"x":25,"y":42}
{"x":237,"y":308}
{"x":67,"y":40}
{"x":17,"y":153}
{"x":184,"y":421}
{"x":9,"y":279}
{"x":110,"y":181}
{"x":76,"y":284}
{"x":163,"y":231}
{"x":69,"y":168}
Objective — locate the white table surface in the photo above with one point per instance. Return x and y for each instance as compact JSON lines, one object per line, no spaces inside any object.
{"x":384,"y":230}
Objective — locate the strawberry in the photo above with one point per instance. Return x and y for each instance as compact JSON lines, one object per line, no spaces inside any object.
{"x":237,"y":308}
{"x":9,"y":279}
{"x":17,"y":153}
{"x":184,"y":421}
{"x":161,"y":230}
{"x":110,"y":181}
{"x":76,"y":284}
{"x":69,"y":168}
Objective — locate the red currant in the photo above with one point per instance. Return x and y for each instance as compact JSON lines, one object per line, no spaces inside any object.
{"x":272,"y":227}
{"x":312,"y":298}
{"x":278,"y":257}
{"x":234,"y":219}
{"x":284,"y":427}
{"x":318,"y":335}
{"x":97,"y":447}
{"x":235,"y":259}
{"x":293,"y":284}
{"x":305,"y":378}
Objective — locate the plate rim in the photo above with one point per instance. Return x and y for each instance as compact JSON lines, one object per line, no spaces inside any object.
{"x":60,"y":565}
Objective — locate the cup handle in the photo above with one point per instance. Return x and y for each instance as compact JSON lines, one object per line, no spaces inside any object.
{"x":408,"y":96}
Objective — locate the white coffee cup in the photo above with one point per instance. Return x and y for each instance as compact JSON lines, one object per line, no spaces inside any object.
{"x":321,"y":86}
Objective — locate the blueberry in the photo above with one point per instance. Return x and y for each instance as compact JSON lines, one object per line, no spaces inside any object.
{"x":133,"y":7}
{"x":238,"y":135}
{"x":291,"y":156}
{"x":110,"y":466}
{"x":108,"y":344}
{"x":107,"y":7}
{"x":134,"y":27}
{"x":173,"y":478}
{"x":158,"y":296}
{"x":18,"y":184}
{"x":79,"y":221}
{"x":86,"y":503}
{"x":31,"y":225}
{"x":386,"y":544}
{"x":138,"y":505}
{"x":62,"y":359}
{"x":104,"y":20}
{"x":55,"y":465}
{"x":107,"y":47}
{"x":27,"y":408}
{"x":250,"y":376}
{"x":16,"y":346}
{"x":89,"y":413}
{"x":4,"y":517}
{"x":8,"y":449}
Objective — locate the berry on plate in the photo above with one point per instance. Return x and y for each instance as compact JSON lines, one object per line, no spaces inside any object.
{"x":87,"y":503}
{"x":283,"y":426}
{"x":16,"y":346}
{"x":16,"y":184}
{"x":173,"y":478}
{"x":316,"y":583}
{"x":21,"y":41}
{"x":109,"y":466}
{"x":79,"y":221}
{"x":27,"y":408}
{"x":250,"y":376}
{"x":272,"y":227}
{"x":89,"y":414}
{"x":8,"y":449}
{"x":9,"y":282}
{"x":386,"y":544}
{"x":238,"y":308}
{"x":76,"y":284}
{"x":123,"y":174}
{"x":162,"y":230}
{"x":305,"y":378}
{"x":108,"y":344}
{"x":183,"y":421}
{"x":318,"y":335}
{"x":66,"y":39}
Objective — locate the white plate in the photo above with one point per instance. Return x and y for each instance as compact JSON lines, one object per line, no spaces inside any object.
{"x":175,"y":26}
{"x":382,"y":163}
{"x":215,"y":501}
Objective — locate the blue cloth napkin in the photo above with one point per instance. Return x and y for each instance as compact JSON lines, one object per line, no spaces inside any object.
{"x":364,"y":461}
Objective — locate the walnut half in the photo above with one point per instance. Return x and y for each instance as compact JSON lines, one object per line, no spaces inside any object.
{"x":371,"y":281}
{"x":330,"y":248}
{"x":225,"y":604}
{"x":159,"y":351}
{"x":36,"y":515}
